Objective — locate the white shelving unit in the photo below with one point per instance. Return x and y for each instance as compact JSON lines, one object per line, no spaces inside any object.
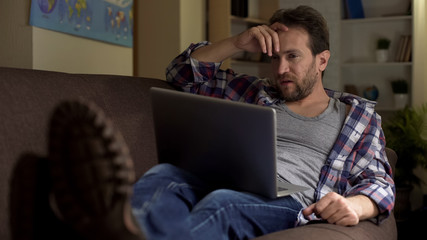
{"x":383,"y":19}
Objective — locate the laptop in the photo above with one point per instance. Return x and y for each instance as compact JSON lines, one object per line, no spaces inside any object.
{"x":227,"y":144}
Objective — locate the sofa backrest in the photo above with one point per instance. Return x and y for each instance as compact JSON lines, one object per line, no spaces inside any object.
{"x":27,"y":98}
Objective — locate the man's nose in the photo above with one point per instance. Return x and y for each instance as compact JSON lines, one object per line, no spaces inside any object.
{"x":283,"y":66}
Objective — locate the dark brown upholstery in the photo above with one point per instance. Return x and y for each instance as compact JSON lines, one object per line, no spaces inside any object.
{"x":27,"y":98}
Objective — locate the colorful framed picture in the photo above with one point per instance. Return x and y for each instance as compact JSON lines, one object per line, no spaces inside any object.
{"x":104,"y":20}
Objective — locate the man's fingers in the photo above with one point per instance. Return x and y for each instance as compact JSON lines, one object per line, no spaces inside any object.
{"x":274,"y":39}
{"x":331,"y":214}
{"x":309,"y":210}
{"x":279,"y":27}
{"x":260,"y":38}
{"x":343,"y":217}
{"x":333,"y":208}
{"x":325,"y":207}
{"x":268,"y":38}
{"x":257,"y":33}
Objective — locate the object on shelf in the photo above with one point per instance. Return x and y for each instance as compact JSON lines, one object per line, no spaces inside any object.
{"x":399,"y":86}
{"x":371,"y":93}
{"x":381,"y":55}
{"x":354,"y":9}
{"x":383,"y":43}
{"x":239,"y":8}
{"x":382,"y":49}
{"x":400,"y":93}
{"x":404,"y":50}
{"x":400,"y":100}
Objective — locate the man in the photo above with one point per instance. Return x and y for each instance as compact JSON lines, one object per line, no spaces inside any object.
{"x":327,"y":141}
{"x":355,"y":182}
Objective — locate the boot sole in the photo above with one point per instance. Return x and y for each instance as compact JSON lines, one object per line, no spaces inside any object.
{"x":91,"y":170}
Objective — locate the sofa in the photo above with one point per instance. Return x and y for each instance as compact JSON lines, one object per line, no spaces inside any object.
{"x":27,"y":98}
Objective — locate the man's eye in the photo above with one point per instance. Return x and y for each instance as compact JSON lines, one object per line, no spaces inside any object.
{"x":292,"y":56}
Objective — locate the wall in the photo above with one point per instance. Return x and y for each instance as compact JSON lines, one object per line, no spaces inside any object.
{"x":164,"y":31}
{"x":15,"y":34}
{"x":419,"y":87}
{"x":192,"y":22}
{"x":156,"y":37}
{"x":24,"y":46}
{"x":66,"y":53}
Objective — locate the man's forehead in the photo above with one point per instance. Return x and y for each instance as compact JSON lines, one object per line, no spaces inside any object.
{"x":294,"y":31}
{"x":295,"y":36}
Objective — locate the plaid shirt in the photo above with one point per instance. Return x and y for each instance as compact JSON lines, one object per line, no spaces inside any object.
{"x":357,"y":163}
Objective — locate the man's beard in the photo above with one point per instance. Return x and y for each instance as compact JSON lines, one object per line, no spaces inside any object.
{"x":303,"y":88}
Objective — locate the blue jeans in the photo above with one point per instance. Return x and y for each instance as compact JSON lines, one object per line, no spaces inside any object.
{"x":170,"y":203}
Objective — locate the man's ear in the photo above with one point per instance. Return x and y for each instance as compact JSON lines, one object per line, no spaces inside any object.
{"x":323,"y":59}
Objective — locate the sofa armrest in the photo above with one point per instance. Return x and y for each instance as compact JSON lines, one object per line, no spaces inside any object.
{"x":387,"y":230}
{"x":392,"y":158}
{"x":365,"y":230}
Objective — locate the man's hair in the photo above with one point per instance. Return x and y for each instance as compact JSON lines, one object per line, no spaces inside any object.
{"x":308,"y":19}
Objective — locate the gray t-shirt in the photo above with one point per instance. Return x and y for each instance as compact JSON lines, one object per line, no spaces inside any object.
{"x":304,"y":143}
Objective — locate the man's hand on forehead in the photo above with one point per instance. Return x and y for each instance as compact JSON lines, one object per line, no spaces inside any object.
{"x":279,"y":27}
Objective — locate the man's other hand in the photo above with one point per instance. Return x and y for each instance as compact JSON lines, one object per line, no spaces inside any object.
{"x":340,"y":210}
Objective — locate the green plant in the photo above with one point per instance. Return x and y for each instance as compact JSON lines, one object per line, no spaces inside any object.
{"x":406,"y":133}
{"x":399,"y":86}
{"x":383,"y":43}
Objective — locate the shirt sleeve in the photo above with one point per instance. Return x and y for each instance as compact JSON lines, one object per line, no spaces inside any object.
{"x":374,"y":180}
{"x":206,"y":78}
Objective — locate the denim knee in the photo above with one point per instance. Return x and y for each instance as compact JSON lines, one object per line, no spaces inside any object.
{"x":223,"y":198}
{"x":163,"y":169}
{"x":232,"y":214}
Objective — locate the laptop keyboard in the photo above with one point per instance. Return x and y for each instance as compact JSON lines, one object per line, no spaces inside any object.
{"x":281,"y":179}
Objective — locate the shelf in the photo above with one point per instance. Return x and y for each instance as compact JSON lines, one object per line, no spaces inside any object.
{"x":376,"y":64}
{"x":376,"y":19}
{"x":358,"y":65}
{"x":249,"y":20}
